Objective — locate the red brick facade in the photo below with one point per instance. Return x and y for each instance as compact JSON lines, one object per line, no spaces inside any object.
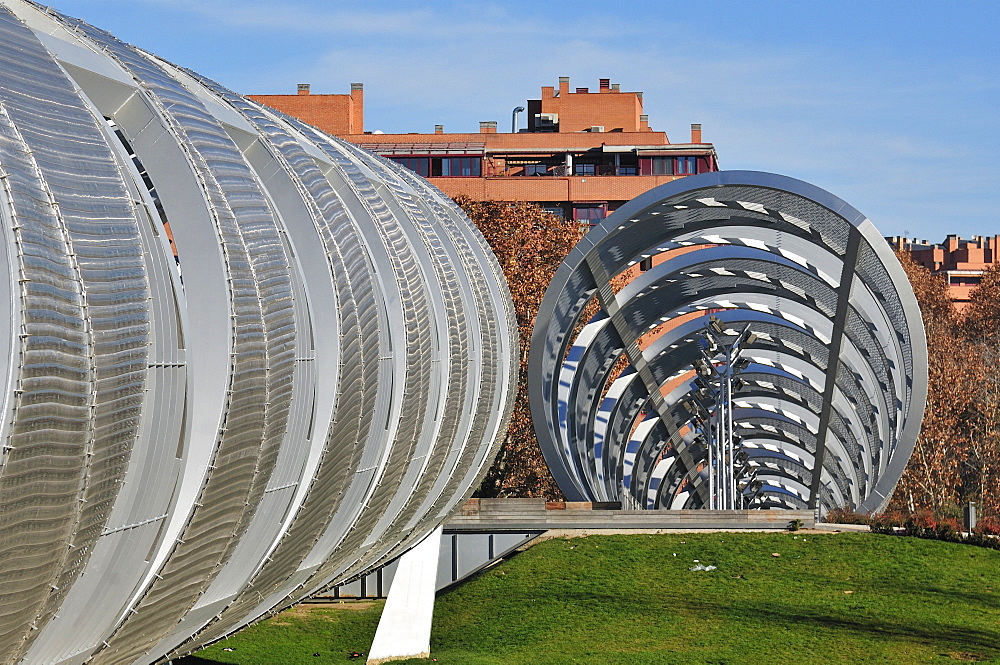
{"x":579,"y":111}
{"x":583,"y":155}
{"x":961,"y":261}
{"x":334,"y":114}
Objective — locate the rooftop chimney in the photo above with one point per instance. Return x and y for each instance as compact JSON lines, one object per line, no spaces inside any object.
{"x":488,"y":127}
{"x":439,"y":129}
{"x":582,"y":90}
{"x":356,"y":115}
{"x":303,"y":88}
{"x":616,"y":87}
{"x":605,"y":85}
{"x":695,"y":133}
{"x":563,"y":85}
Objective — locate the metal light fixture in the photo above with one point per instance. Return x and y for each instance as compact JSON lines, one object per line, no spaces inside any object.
{"x":513,"y":118}
{"x":718,"y":370}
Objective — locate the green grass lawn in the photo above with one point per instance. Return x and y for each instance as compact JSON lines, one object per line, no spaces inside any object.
{"x":828,"y":598}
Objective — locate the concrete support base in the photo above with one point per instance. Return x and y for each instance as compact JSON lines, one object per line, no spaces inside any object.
{"x":404,"y":631}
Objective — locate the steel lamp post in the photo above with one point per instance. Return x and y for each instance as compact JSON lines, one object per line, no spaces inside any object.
{"x":718,"y":373}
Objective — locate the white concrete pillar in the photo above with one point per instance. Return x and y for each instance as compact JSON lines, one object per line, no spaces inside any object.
{"x":404,"y":631}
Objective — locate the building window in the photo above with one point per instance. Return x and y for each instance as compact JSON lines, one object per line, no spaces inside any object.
{"x":420,"y":165}
{"x":687,"y":165}
{"x":585,"y":169}
{"x":589,"y":213}
{"x":442,"y":166}
{"x":964,"y":280}
{"x":663,"y":165}
{"x":536,"y":169}
{"x":461,"y":166}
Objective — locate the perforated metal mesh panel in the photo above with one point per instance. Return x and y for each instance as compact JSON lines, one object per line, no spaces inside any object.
{"x":303,"y":383}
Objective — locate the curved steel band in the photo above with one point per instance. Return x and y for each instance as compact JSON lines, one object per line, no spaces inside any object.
{"x":245,"y":360}
{"x":830,"y":401}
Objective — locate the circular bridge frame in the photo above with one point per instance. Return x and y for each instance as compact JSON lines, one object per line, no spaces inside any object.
{"x":803,"y":270}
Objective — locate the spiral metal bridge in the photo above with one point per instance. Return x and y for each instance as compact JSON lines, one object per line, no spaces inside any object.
{"x":831,"y":368}
{"x":245,"y":360}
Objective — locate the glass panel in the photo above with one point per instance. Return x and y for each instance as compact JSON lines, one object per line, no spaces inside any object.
{"x":589,"y":212}
{"x":686,"y":165}
{"x":663,"y":165}
{"x":420,"y":165}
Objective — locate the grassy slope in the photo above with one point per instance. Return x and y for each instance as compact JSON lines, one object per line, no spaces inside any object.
{"x":628,"y":599}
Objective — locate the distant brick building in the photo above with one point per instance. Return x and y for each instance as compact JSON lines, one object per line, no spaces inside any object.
{"x":583,"y":154}
{"x":564,"y":111}
{"x":961,"y":261}
{"x":335,"y":114}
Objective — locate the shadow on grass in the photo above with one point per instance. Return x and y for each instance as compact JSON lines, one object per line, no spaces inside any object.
{"x":960,"y":638}
{"x":918,"y":592}
{"x":984,"y":599}
{"x":195,"y":660}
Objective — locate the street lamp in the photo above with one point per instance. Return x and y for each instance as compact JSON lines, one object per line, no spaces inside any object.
{"x":513,"y":119}
{"x":717,"y":378}
{"x":750,"y":489}
{"x":699,"y":405}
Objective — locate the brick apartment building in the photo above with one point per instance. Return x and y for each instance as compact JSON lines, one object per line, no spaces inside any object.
{"x":583,"y":154}
{"x":961,"y":262}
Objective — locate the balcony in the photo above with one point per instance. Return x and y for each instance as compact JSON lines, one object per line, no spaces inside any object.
{"x":560,"y":171}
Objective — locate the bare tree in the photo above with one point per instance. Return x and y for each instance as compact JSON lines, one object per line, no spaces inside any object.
{"x":932,"y":478}
{"x":980,"y":327}
{"x":530,"y":244}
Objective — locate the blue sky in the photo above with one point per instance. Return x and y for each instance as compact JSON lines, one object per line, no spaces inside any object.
{"x":891,"y":105}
